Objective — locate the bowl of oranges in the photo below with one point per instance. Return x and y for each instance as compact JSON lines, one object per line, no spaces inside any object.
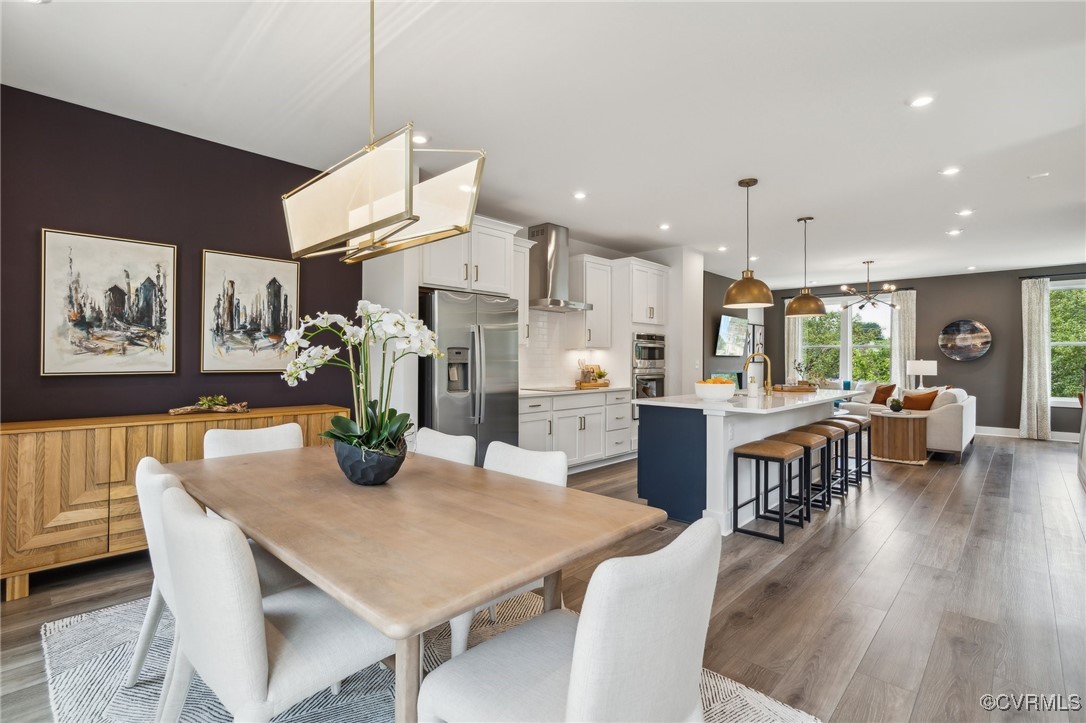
{"x":715,"y":390}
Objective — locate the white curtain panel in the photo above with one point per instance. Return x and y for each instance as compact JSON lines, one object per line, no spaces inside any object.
{"x":793,"y":346}
{"x":1034,"y":422}
{"x":902,"y":335}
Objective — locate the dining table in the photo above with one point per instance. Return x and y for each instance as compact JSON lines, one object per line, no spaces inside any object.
{"x":439,"y":539}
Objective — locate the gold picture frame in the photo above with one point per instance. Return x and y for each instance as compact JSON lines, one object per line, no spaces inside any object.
{"x":262,"y":294}
{"x":90,"y":324}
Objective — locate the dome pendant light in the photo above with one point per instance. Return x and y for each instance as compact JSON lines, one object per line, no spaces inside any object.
{"x":806,"y":304}
{"x":748,"y":292}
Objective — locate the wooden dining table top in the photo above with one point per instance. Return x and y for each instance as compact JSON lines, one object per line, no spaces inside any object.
{"x":438,"y":539}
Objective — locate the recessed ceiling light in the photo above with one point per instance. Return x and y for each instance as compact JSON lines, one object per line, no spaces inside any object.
{"x":753,"y":258}
{"x":467,"y":189}
{"x":721,"y":248}
{"x":920,"y":101}
{"x":665,"y":226}
{"x":580,"y":195}
{"x":950,"y":171}
{"x":970,"y":268}
{"x":1046,"y":174}
{"x":955,"y":232}
{"x":964,"y":212}
{"x":420,"y":139}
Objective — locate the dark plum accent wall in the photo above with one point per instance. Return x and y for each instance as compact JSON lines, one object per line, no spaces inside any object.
{"x":68,"y":167}
{"x":992,"y":298}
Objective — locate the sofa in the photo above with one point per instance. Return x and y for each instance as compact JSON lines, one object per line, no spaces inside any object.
{"x":952,"y":420}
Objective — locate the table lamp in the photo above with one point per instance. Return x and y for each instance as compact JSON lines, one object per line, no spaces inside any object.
{"x":920,"y":367}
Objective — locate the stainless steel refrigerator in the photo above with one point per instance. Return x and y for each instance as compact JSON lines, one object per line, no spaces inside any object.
{"x":473,"y":390}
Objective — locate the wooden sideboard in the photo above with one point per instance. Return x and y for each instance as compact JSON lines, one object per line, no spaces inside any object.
{"x":69,"y":494}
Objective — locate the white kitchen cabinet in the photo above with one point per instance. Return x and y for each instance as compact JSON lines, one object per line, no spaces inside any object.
{"x":536,"y":431}
{"x":589,"y":279}
{"x":521,"y":252}
{"x":648,"y":291}
{"x":639,"y":291}
{"x":447,"y":263}
{"x":481,"y":261}
{"x":587,"y":426}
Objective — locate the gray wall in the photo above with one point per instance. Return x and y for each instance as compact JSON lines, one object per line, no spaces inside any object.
{"x":992,"y":298}
{"x":713,"y":293}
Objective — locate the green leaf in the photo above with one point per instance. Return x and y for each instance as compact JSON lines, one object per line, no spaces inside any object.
{"x":345,"y":425}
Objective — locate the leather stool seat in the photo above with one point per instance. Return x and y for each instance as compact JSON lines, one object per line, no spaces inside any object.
{"x":831,"y":433}
{"x":864,"y":422}
{"x":771,"y":450}
{"x":807,"y":440}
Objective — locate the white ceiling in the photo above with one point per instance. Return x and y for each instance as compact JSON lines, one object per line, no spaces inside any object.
{"x":654,"y":109}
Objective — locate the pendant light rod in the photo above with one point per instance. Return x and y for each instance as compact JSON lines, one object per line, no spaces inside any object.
{"x":747,"y":183}
{"x":373,"y":6}
{"x":804,"y":220}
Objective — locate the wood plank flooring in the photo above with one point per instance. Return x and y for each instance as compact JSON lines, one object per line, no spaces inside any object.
{"x":929,"y":587}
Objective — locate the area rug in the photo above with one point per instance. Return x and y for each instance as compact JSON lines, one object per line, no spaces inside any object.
{"x":87,"y":656}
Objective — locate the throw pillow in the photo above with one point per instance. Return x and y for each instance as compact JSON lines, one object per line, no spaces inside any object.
{"x":920,"y":402}
{"x":882,"y":393}
{"x":867,"y":392}
{"x":944,"y":399}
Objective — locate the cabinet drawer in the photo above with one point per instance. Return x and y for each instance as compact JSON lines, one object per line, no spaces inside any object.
{"x":618,"y":442}
{"x":618,"y":397}
{"x":535,"y":404}
{"x":579,"y":400}
{"x":618,"y":417}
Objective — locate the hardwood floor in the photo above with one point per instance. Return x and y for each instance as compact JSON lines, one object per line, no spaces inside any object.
{"x":928,"y":588}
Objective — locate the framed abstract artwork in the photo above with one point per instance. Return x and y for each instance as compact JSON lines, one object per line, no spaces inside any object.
{"x":965,"y":340}
{"x":107,"y":305}
{"x":249,"y":303}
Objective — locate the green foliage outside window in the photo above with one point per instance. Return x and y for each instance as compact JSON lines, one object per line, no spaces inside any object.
{"x":1068,"y":324}
{"x":822,"y":348}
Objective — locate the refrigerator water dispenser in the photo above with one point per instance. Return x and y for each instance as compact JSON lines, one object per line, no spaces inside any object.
{"x":458,"y":375}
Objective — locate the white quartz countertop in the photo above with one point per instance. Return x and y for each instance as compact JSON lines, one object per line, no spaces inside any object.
{"x":741,"y":404}
{"x":529,"y":393}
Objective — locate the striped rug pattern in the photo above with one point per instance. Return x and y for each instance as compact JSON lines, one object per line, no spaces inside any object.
{"x":87,"y":656}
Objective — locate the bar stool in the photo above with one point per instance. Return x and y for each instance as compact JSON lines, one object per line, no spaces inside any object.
{"x":865,"y":426}
{"x":762,"y":453}
{"x":811,"y":443}
{"x":852,"y":473}
{"x":834,"y":437}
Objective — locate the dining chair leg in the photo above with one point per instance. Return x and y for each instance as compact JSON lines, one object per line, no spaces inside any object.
{"x":493,"y":612}
{"x":180,"y":681}
{"x":407,"y":679}
{"x":147,"y":634}
{"x":167,"y":679}
{"x":335,"y":687}
{"x":459,"y":627}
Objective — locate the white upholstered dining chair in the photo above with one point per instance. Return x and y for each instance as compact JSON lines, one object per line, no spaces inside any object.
{"x":229,"y":442}
{"x":152,"y":480}
{"x":549,"y":467}
{"x":451,"y":447}
{"x":634,"y":653}
{"x":259,"y":655}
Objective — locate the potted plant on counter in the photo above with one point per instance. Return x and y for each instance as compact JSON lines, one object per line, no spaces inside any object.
{"x":371,"y":447}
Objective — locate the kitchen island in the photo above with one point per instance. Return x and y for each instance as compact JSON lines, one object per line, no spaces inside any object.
{"x":684,"y":459}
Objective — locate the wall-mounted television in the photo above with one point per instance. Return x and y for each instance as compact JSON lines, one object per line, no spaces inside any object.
{"x":732,"y":337}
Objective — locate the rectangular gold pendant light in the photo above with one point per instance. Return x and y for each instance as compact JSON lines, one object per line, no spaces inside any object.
{"x":368,"y":204}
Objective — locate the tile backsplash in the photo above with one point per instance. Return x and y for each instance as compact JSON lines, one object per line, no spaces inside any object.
{"x":546,"y":362}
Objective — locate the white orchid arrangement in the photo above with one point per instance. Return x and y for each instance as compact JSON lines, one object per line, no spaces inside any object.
{"x":376,"y":334}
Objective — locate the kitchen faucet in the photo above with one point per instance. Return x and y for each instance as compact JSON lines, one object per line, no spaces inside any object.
{"x":768,"y":370}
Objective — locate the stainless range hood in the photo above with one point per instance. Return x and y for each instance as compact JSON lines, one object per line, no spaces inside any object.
{"x":548,"y":270}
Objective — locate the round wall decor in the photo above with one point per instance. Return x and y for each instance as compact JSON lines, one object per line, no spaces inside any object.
{"x":965,"y":340}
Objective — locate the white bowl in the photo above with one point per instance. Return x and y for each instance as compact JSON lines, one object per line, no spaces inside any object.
{"x":714,"y":392}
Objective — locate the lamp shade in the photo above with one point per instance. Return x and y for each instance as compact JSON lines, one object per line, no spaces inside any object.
{"x":806,"y":304}
{"x":921,"y":367}
{"x":748,"y":293}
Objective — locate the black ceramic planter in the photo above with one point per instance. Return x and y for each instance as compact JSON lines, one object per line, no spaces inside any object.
{"x":366,"y":467}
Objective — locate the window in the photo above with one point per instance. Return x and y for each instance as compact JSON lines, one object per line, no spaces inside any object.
{"x":848,"y":343}
{"x":1067,"y":314}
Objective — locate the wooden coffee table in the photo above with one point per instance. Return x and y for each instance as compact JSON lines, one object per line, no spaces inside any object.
{"x":899,"y":437}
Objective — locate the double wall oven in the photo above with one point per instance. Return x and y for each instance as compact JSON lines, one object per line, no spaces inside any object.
{"x":648,"y":366}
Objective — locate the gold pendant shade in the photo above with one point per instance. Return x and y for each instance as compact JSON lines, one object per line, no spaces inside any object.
{"x":806,"y":304}
{"x":748,"y":292}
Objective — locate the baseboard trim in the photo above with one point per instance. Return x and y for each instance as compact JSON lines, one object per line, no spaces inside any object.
{"x":1010,"y":432}
{"x":602,"y":462}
